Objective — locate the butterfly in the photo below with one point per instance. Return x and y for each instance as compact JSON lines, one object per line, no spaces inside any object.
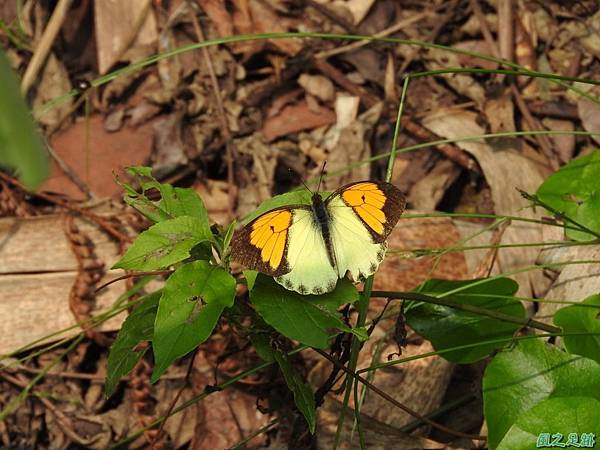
{"x":307,"y":248}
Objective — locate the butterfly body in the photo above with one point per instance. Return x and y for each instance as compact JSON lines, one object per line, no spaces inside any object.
{"x":307,"y":248}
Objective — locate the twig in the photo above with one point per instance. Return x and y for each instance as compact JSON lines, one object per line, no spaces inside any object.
{"x":133,"y":275}
{"x":543,"y":141}
{"x":485,"y":30}
{"x":487,"y":263}
{"x":532,"y":122}
{"x":397,"y":404}
{"x":452,"y":152}
{"x":416,"y":296}
{"x":229,"y":145}
{"x":43,"y":48}
{"x":386,"y":32}
{"x":55,"y":201}
{"x":70,"y":173}
{"x":174,"y":402}
{"x":506,"y":36}
{"x":339,"y":78}
{"x":431,"y":38}
{"x":334,"y":17}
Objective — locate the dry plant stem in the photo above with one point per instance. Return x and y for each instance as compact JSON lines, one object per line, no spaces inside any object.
{"x":43,"y":48}
{"x":229,"y":145}
{"x":394,"y":402}
{"x":543,"y":141}
{"x":506,"y":37}
{"x":61,"y":418}
{"x":134,"y":275}
{"x":485,"y":30}
{"x":156,"y":439}
{"x":139,"y":22}
{"x":450,"y":151}
{"x":334,"y":17}
{"x":533,"y":124}
{"x":55,"y":201}
{"x":70,"y":173}
{"x":466,"y":307}
{"x":487,"y":263}
{"x":81,"y":375}
{"x":358,"y":44}
{"x":431,"y":37}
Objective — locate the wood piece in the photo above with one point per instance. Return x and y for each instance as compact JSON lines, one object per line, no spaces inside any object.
{"x":37,"y":271}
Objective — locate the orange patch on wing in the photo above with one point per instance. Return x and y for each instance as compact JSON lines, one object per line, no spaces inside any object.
{"x":269,"y":234}
{"x":367,"y":200}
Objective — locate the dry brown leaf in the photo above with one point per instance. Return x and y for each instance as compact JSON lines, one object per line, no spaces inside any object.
{"x":589,"y":113}
{"x":53,"y":83}
{"x":114,"y":24}
{"x":427,"y":192}
{"x":317,"y":85}
{"x":294,"y":118}
{"x":168,"y":148}
{"x":95,"y":163}
{"x":505,"y":170}
{"x":575,"y":282}
{"x":563,"y":143}
{"x":349,"y":145}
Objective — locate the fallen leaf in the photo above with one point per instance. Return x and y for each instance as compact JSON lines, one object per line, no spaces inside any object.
{"x":114,"y":23}
{"x":317,"y":85}
{"x":294,"y":118}
{"x":95,"y":161}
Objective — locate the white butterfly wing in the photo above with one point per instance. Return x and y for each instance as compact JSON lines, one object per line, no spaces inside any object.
{"x":311,"y":271}
{"x":354,"y":246}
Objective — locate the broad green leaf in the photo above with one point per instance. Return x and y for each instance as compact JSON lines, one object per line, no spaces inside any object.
{"x":529,"y":373}
{"x":306,"y":318}
{"x":299,"y":197}
{"x":250,"y":276}
{"x":164,"y":243}
{"x":174,"y":202}
{"x":574,"y":190}
{"x":138,"y":327}
{"x":262,"y":344}
{"x":581,"y":319}
{"x":304,"y":397}
{"x":192,"y":301}
{"x":20,"y":145}
{"x":448,"y":327}
{"x":564,"y":415}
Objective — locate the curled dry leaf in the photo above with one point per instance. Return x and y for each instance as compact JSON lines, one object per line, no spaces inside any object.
{"x":317,"y":85}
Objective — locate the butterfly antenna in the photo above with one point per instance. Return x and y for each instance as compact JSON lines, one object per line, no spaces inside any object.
{"x":321,"y":176}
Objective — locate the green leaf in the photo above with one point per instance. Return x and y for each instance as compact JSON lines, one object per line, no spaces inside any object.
{"x":164,"y":243}
{"x":448,"y":327}
{"x":20,"y":145}
{"x":250,"y":276}
{"x":563,"y":415}
{"x":574,"y":190}
{"x":193,"y":299}
{"x":138,"y":327}
{"x":174,"y":202}
{"x":304,"y":397}
{"x":299,"y":197}
{"x":262,"y":344}
{"x":532,"y":371}
{"x":306,"y":318}
{"x":581,"y":319}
